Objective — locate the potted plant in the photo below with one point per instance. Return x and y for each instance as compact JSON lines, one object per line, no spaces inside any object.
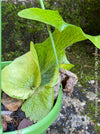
{"x":32,"y":76}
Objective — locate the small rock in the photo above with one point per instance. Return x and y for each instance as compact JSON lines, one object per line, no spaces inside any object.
{"x":98,"y":100}
{"x":11,"y":127}
{"x":21,"y":114}
{"x":77,"y":93}
{"x":98,"y":124}
{"x":87,"y":132}
{"x":77,"y":103}
{"x":24,"y":123}
{"x":4,"y":124}
{"x":10,"y":103}
{"x":79,"y":85}
{"x":6,"y":112}
{"x":92,"y":123}
{"x":91,"y":81}
{"x":2,"y":107}
{"x":65,"y":130}
{"x":82,"y":130}
{"x":7,"y":118}
{"x":77,"y":120}
{"x":6,"y":115}
{"x":54,"y":131}
{"x":48,"y":131}
{"x":91,"y":95}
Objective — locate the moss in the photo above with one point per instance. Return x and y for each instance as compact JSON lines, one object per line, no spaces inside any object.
{"x":84,"y":61}
{"x":18,"y":32}
{"x":90,"y":111}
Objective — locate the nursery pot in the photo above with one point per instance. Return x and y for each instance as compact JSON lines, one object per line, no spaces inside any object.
{"x":41,"y":126}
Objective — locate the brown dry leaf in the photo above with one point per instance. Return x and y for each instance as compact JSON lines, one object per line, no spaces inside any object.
{"x":7,"y":118}
{"x":24,"y":123}
{"x":4,"y":124}
{"x":10,"y":103}
{"x":68,"y":80}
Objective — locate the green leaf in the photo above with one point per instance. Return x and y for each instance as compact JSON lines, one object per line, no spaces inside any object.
{"x":66,"y":66}
{"x":34,"y":53}
{"x":54,"y":79}
{"x":46,"y":16}
{"x":39,"y":105}
{"x":3,"y":64}
{"x":94,"y":39}
{"x":21,"y":77}
{"x":53,"y":18}
{"x":71,"y":34}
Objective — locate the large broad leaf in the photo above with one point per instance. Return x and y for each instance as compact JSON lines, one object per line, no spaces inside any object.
{"x":47,"y":16}
{"x":39,"y":105}
{"x":21,"y":77}
{"x":53,"y":18}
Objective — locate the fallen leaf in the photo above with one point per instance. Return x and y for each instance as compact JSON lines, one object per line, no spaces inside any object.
{"x":10,"y":103}
{"x":68,"y":80}
{"x":24,"y":123}
{"x":7,"y":118}
{"x":4,"y":124}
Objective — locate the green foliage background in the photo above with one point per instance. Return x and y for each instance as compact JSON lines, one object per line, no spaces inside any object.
{"x":17,"y":32}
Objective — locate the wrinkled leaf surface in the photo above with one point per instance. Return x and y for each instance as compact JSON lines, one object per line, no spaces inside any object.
{"x":39,"y":105}
{"x":21,"y":77}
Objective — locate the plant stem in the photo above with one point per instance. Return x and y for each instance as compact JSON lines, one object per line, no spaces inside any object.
{"x":51,"y":37}
{"x":42,"y":5}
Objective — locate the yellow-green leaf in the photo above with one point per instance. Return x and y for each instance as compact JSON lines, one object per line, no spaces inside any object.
{"x":40,"y":104}
{"x":21,"y":77}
